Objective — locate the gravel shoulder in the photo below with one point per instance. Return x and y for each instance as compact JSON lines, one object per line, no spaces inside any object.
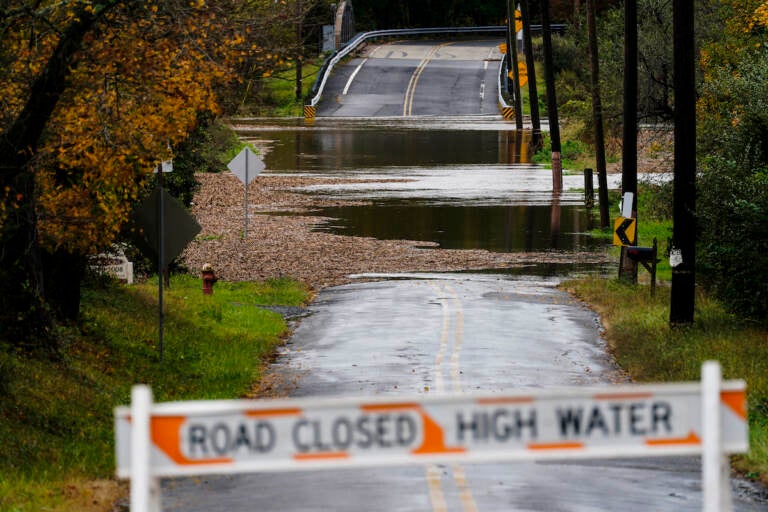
{"x":281,"y":240}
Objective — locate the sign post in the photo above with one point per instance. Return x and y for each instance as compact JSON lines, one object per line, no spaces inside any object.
{"x":246,"y":166}
{"x":236,"y":436}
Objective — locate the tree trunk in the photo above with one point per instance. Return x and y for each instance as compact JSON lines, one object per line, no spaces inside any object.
{"x":24,"y":315}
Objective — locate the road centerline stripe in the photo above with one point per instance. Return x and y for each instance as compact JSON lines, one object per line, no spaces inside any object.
{"x":453,"y":319}
{"x":410,"y":91}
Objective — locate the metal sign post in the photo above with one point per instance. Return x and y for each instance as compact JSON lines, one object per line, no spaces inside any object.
{"x":165,"y":166}
{"x":237,"y":436}
{"x":246,"y":166}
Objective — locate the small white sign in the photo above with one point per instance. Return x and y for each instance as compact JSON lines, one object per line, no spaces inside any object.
{"x":675,"y":258}
{"x":246,"y":165}
{"x":166,"y":166}
{"x":626,"y":204}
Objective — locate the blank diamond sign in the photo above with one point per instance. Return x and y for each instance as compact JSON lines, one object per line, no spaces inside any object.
{"x":246,"y":166}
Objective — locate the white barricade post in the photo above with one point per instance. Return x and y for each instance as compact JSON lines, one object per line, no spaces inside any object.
{"x":237,"y":436}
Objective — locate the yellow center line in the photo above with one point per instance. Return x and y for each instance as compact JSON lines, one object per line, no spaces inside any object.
{"x":465,"y":493}
{"x":410,"y":91}
{"x":449,"y":306}
{"x":436,"y":495}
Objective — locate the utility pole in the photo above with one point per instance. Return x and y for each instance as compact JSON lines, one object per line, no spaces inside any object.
{"x":299,"y":49}
{"x":629,"y":143}
{"x":684,"y":211}
{"x":533,"y":94}
{"x":512,"y":52}
{"x":549,"y":78}
{"x":510,"y":85}
{"x":597,"y":114}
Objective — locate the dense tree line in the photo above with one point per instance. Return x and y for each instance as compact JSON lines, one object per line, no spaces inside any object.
{"x":373,"y":15}
{"x":732,"y":205}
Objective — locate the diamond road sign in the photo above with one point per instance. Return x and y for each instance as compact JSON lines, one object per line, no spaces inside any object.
{"x":246,"y":165}
{"x":180,"y":227}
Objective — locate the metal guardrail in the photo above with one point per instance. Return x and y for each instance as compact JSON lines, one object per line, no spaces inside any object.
{"x":325,"y":70}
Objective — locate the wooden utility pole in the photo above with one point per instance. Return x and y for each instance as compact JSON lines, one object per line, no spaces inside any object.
{"x":299,"y":49}
{"x":597,"y":114}
{"x":533,"y":94}
{"x":684,"y":211}
{"x":512,"y":38}
{"x":629,"y":143}
{"x":549,"y":77}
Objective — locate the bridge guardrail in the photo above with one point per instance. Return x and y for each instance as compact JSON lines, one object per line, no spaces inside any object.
{"x":325,"y":70}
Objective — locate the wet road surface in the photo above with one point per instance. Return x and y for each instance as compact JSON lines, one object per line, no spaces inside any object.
{"x":434,"y":333}
{"x":416,"y":78}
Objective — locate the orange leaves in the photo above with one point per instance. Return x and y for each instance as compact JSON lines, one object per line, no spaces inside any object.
{"x":136,"y":89}
{"x":760,"y":17}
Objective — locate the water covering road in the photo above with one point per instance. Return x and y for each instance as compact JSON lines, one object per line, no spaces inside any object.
{"x":435,"y":333}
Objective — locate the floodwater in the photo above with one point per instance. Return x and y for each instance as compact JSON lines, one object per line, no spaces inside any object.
{"x":459,"y":183}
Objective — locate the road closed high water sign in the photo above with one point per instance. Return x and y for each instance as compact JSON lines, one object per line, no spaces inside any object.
{"x":243,"y":436}
{"x":191,"y":438}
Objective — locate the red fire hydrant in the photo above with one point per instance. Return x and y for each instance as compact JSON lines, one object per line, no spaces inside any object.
{"x":209,"y":279}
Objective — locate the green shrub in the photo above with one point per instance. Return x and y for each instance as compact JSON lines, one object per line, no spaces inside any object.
{"x":733,"y":235}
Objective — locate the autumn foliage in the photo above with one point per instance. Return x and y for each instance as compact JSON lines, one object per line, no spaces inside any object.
{"x":95,"y":93}
{"x":136,"y":91}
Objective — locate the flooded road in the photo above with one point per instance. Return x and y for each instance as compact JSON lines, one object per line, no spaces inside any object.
{"x":457,"y":183}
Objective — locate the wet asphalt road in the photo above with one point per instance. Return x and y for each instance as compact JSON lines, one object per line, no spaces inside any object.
{"x":416,"y":78}
{"x":442,"y":333}
{"x":437,"y":333}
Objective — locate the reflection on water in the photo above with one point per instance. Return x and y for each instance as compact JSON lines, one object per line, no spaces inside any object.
{"x":350,"y":146}
{"x":495,"y":228}
{"x":450,"y":159}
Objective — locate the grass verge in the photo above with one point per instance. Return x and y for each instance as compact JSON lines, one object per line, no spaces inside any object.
{"x":279,"y":93}
{"x":57,"y":425}
{"x":638,"y":332}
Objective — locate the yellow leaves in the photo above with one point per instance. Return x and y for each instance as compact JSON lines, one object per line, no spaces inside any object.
{"x":759,"y":18}
{"x":137,"y":89}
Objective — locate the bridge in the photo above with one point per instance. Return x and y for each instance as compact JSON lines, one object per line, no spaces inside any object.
{"x":412,"y":72}
{"x":403,"y":78}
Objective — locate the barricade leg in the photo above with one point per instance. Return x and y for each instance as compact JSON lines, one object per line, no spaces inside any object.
{"x":145,"y":491}
{"x":715,"y":474}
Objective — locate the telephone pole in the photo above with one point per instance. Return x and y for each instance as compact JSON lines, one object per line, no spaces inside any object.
{"x":684,"y":211}
{"x":629,"y":143}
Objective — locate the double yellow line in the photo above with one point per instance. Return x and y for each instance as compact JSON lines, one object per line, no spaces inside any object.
{"x":451,"y":306}
{"x":410,"y":91}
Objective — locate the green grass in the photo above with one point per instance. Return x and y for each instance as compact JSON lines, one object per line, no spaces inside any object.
{"x":56,"y":429}
{"x":638,"y":332}
{"x":280,"y":90}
